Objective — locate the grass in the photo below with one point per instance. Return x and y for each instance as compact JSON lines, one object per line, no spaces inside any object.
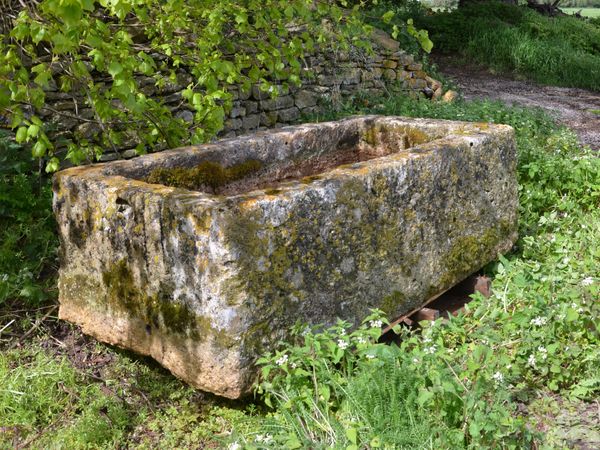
{"x":585,"y":12}
{"x":561,"y":51}
{"x":439,"y":390}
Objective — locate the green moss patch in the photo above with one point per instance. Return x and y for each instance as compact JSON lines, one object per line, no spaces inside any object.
{"x":206,"y":175}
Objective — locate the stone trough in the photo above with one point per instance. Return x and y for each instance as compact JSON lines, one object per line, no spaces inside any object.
{"x":203,"y":257}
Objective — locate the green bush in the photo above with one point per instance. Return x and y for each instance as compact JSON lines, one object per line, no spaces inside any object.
{"x":27,"y":229}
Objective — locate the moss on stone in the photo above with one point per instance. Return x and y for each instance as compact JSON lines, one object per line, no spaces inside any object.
{"x":123,"y":294}
{"x":468,"y":251}
{"x":205,"y":175}
{"x":382,"y":134}
{"x":392,"y":303}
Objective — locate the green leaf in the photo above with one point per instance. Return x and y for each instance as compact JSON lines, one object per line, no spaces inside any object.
{"x":53,"y":165}
{"x":21,"y":135}
{"x":352,"y":435}
{"x":39,"y":149}
{"x":114,"y":69}
{"x":293,"y":443}
{"x":33,"y":131}
{"x":572,"y":315}
{"x":388,"y":16}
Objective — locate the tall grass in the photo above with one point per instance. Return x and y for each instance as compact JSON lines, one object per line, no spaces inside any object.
{"x":562,"y":51}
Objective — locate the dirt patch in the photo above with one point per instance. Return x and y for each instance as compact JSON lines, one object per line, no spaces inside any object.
{"x":578,"y":109}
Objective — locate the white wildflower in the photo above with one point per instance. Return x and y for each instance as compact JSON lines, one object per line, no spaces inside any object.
{"x":282,"y":360}
{"x":587,"y":281}
{"x":543,"y":352}
{"x":498,"y":378}
{"x":266,"y":438}
{"x":361,"y":340}
{"x":416,"y":360}
{"x":426,"y":340}
{"x":369,"y":356}
{"x":342,"y":344}
{"x":343,"y":332}
{"x":234,"y":446}
{"x":531,"y":361}
{"x":508,"y":366}
{"x":293,"y":365}
{"x":376,"y":323}
{"x":539,"y":321}
{"x":430,"y":350}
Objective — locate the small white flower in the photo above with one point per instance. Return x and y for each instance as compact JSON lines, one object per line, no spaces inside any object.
{"x":566,"y":260}
{"x":543,"y":352}
{"x":234,"y":446}
{"x":342,"y":332}
{"x":538,"y":321}
{"x":574,"y":305}
{"x":342,"y":344}
{"x":531,"y":361}
{"x":376,"y":323}
{"x":426,"y":340}
{"x":498,"y":378}
{"x":430,"y":350}
{"x":508,"y":366}
{"x":587,"y":281}
{"x":293,"y":365}
{"x":416,"y":360}
{"x":579,"y":310}
{"x":282,"y":360}
{"x":361,"y":340}
{"x":369,"y":356}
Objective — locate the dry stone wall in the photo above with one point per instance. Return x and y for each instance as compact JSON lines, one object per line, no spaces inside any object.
{"x":329,"y":78}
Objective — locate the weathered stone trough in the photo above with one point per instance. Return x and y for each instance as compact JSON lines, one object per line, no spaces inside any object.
{"x":307,"y":223}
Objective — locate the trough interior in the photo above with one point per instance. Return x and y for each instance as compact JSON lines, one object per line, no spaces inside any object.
{"x":302,"y":159}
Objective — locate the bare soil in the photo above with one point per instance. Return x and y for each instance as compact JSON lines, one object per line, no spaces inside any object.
{"x":578,"y":109}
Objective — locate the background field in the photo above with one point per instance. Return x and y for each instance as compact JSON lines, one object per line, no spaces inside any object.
{"x":586,"y":12}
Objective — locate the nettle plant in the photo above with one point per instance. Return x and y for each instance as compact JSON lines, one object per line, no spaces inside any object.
{"x":97,"y":52}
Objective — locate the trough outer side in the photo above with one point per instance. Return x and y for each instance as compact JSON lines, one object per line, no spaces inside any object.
{"x":205,"y":285}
